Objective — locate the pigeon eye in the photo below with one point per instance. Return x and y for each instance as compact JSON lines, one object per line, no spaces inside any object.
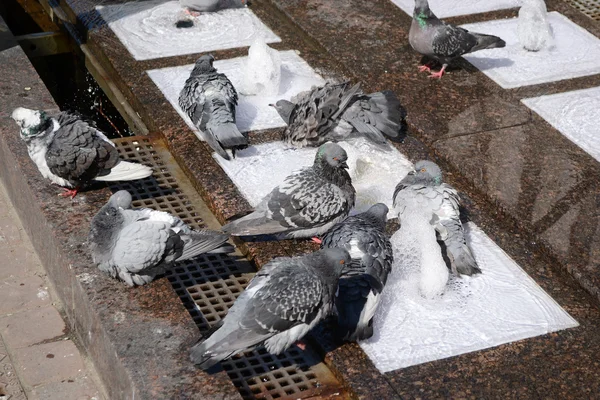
{"x":342,"y":262}
{"x":335,"y":158}
{"x":423,"y":170}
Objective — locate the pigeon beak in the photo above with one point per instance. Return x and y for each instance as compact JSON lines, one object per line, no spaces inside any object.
{"x":412,"y":173}
{"x":344,"y":165}
{"x":271,"y":105}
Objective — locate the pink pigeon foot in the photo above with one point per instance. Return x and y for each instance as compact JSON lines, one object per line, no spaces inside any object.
{"x":301,"y":345}
{"x":69,"y":193}
{"x":317,"y":240}
{"x":192,"y":13}
{"x":439,"y":74}
{"x":425,"y":67}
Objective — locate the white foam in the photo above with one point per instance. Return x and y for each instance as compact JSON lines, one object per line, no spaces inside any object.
{"x":574,"y":52}
{"x":533,"y":28}
{"x":445,"y":8}
{"x":375,"y":173}
{"x":575,"y":114}
{"x":147,"y":29}
{"x":501,"y":305}
{"x":252,"y":112}
{"x":262,"y":70}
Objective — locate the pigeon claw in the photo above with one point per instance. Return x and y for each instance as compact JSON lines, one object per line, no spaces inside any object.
{"x":317,"y":240}
{"x":439,"y":74}
{"x":425,"y":67}
{"x":301,"y":345}
{"x":68,"y":193}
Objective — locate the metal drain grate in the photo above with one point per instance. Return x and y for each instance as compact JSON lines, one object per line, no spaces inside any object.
{"x":591,"y":8}
{"x":209,"y":285}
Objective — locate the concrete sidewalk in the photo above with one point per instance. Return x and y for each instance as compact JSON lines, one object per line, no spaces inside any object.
{"x":38,"y":359}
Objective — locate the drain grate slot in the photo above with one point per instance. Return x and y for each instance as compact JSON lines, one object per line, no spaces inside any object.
{"x":591,"y":8}
{"x":208,"y":285}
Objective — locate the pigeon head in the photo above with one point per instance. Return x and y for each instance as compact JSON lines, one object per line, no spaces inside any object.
{"x":331,"y":154}
{"x":422,"y":12}
{"x":32,"y":122}
{"x":379,"y":211}
{"x":335,"y":259}
{"x":426,"y":172}
{"x":204,"y":65}
{"x":121,"y":199}
{"x":284,"y":109}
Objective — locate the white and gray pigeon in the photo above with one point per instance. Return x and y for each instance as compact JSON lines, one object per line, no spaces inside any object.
{"x":444,"y":42}
{"x":363,"y":279}
{"x":136,"y":245}
{"x":282,"y":303}
{"x":212,"y":5}
{"x":209,"y":99}
{"x":336,"y":112}
{"x":307,"y":203}
{"x":71,"y":152}
{"x":422,"y":191}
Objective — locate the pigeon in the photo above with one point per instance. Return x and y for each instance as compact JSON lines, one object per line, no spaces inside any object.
{"x":136,"y":245}
{"x":364,"y":278}
{"x":533,"y":28}
{"x":307,"y":203}
{"x":443,"y":42}
{"x":209,"y":99}
{"x":335,"y":112}
{"x":282,"y":303}
{"x":71,"y":152}
{"x":422,"y":191}
{"x":212,"y":5}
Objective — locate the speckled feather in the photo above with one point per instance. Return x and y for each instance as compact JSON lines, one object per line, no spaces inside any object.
{"x":423,"y":191}
{"x":284,"y":300}
{"x":363,"y":236}
{"x":79,"y":152}
{"x":335,"y":112}
{"x":209,"y":99}
{"x":443,"y":42}
{"x":307,"y":203}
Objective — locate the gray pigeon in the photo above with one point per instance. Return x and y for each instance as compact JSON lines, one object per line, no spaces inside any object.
{"x":335,"y":112}
{"x":282,"y":303}
{"x":422,"y":190}
{"x":209,"y":99}
{"x":307,"y":203}
{"x":212,"y":5}
{"x":363,"y":279}
{"x":72,"y":153}
{"x":135,"y":245}
{"x":443,"y":42}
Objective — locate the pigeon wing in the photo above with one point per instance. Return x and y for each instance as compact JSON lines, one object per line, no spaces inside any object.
{"x":451,"y":41}
{"x":79,"y":152}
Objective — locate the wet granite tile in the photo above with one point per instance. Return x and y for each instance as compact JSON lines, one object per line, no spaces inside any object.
{"x":544,"y":182}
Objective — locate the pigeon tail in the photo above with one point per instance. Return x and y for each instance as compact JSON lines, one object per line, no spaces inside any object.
{"x":126,"y":171}
{"x":227,"y":135}
{"x":200,"y":242}
{"x":205,"y":359}
{"x":487,"y":42}
{"x":252,"y":224}
{"x":457,"y":252}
